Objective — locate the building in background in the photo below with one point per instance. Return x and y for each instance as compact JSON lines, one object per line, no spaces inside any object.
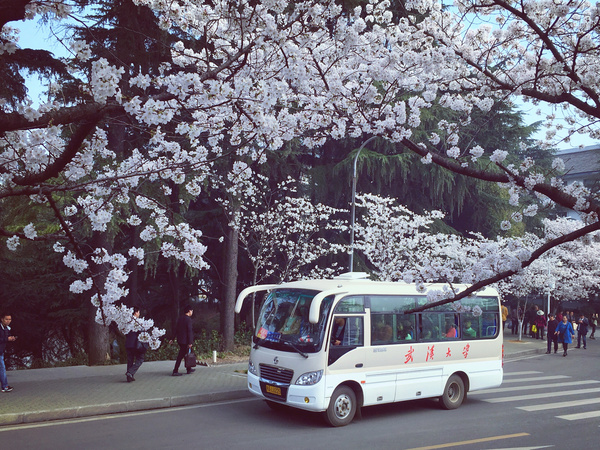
{"x":581,"y":165}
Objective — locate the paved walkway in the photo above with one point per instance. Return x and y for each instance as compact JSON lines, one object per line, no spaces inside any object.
{"x":79,"y":391}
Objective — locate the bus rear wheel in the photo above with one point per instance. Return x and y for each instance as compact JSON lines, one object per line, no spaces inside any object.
{"x":454,"y":393}
{"x":342,"y":407}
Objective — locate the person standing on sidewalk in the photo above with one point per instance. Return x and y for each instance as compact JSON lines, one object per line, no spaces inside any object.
{"x":551,"y":335}
{"x":582,"y":329}
{"x":565,"y":333}
{"x":136,"y":350}
{"x":504,"y":311}
{"x":540,"y":323}
{"x":594,"y":324}
{"x":5,"y":338}
{"x":185,"y":338}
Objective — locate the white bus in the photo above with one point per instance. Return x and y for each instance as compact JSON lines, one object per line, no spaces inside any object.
{"x":337,"y":345}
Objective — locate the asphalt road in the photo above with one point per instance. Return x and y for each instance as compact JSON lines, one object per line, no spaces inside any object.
{"x":546,"y":401}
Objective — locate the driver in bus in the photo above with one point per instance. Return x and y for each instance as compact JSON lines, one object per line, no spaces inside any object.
{"x":292,"y":324}
{"x":337,"y":332}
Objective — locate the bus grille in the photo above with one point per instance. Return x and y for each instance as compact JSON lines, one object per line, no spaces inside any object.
{"x":276,"y":374}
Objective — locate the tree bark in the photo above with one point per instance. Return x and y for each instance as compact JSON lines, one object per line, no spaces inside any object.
{"x":98,"y":335}
{"x":98,"y":339}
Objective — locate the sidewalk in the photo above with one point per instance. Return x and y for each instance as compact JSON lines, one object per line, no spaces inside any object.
{"x":80,"y":391}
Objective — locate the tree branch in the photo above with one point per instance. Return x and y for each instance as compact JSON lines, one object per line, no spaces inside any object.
{"x":553,"y":193}
{"x":503,"y":275}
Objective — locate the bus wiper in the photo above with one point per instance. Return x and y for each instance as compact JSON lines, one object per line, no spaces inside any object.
{"x":295,"y":348}
{"x":259,"y":341}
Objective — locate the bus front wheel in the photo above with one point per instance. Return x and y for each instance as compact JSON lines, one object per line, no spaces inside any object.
{"x":342,"y":407}
{"x":454,"y":393}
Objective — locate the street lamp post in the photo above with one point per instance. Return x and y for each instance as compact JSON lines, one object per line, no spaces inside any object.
{"x":354,"y":176}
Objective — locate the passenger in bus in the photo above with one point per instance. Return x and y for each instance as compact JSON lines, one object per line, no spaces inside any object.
{"x":337,"y":332}
{"x":382,"y":332}
{"x":405,"y":331}
{"x":469,"y":331}
{"x":426,"y":328}
{"x":451,"y":330}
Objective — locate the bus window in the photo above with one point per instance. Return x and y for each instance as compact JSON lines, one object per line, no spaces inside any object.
{"x":392,"y":303}
{"x":471,"y":327}
{"x":382,"y":329}
{"x":351,"y":305}
{"x":347,"y":333}
{"x":430,"y":325}
{"x":406,"y":328}
{"x":451,"y":328}
{"x":489,"y":325}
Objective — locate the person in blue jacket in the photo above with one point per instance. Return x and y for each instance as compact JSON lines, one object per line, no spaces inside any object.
{"x":565,"y":333}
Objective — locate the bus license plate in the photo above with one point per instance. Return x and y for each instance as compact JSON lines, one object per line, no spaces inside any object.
{"x":274,"y":390}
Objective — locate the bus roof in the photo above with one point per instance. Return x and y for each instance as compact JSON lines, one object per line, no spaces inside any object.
{"x":353,"y":283}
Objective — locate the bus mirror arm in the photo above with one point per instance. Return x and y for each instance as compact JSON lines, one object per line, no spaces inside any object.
{"x":250,"y":290}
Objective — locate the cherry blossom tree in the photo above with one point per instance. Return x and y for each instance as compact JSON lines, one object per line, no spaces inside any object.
{"x":245,"y":77}
{"x":283,"y":234}
{"x":401,"y":246}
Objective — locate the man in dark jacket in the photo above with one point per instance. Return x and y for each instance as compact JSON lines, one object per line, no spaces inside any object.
{"x":185,"y":337}
{"x":5,"y":338}
{"x":582,"y":330}
{"x":136,"y":350}
{"x":552,"y":338}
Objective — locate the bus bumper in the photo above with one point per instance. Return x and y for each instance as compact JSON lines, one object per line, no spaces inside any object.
{"x":309,"y":398}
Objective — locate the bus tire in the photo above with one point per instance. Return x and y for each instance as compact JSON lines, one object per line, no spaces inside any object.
{"x":342,"y":407}
{"x":454,"y":393}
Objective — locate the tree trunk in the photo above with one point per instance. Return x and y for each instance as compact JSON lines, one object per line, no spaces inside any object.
{"x":98,"y":335}
{"x":99,"y":347}
{"x":231,"y":273}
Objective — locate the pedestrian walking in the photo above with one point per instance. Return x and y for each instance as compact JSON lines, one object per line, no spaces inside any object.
{"x":565,"y":333}
{"x":551,"y":335}
{"x":582,"y":329}
{"x":504,"y":311}
{"x":136,"y":350}
{"x":594,"y":324}
{"x":540,"y":323}
{"x":185,"y":338}
{"x":5,"y":337}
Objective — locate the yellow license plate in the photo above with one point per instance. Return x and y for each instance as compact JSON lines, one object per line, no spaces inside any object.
{"x":273,"y":390}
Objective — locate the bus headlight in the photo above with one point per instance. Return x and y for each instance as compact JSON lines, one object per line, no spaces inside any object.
{"x":252,"y":368}
{"x":310,"y":378}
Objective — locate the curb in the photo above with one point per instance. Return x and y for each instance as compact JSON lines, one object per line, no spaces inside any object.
{"x":516,"y":355}
{"x":120,"y":407}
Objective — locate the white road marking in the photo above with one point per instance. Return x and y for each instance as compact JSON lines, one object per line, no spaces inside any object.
{"x":527,"y":372}
{"x":535,"y":386}
{"x":549,"y":377}
{"x":579,"y":416}
{"x":542,"y":395}
{"x":546,"y":406}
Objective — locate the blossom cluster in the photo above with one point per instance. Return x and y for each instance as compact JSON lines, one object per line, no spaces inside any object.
{"x":398,"y":243}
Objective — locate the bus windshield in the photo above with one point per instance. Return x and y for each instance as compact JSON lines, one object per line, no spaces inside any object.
{"x":283,"y":321}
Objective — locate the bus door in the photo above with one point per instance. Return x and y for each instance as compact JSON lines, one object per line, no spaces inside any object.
{"x":346,"y":343}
